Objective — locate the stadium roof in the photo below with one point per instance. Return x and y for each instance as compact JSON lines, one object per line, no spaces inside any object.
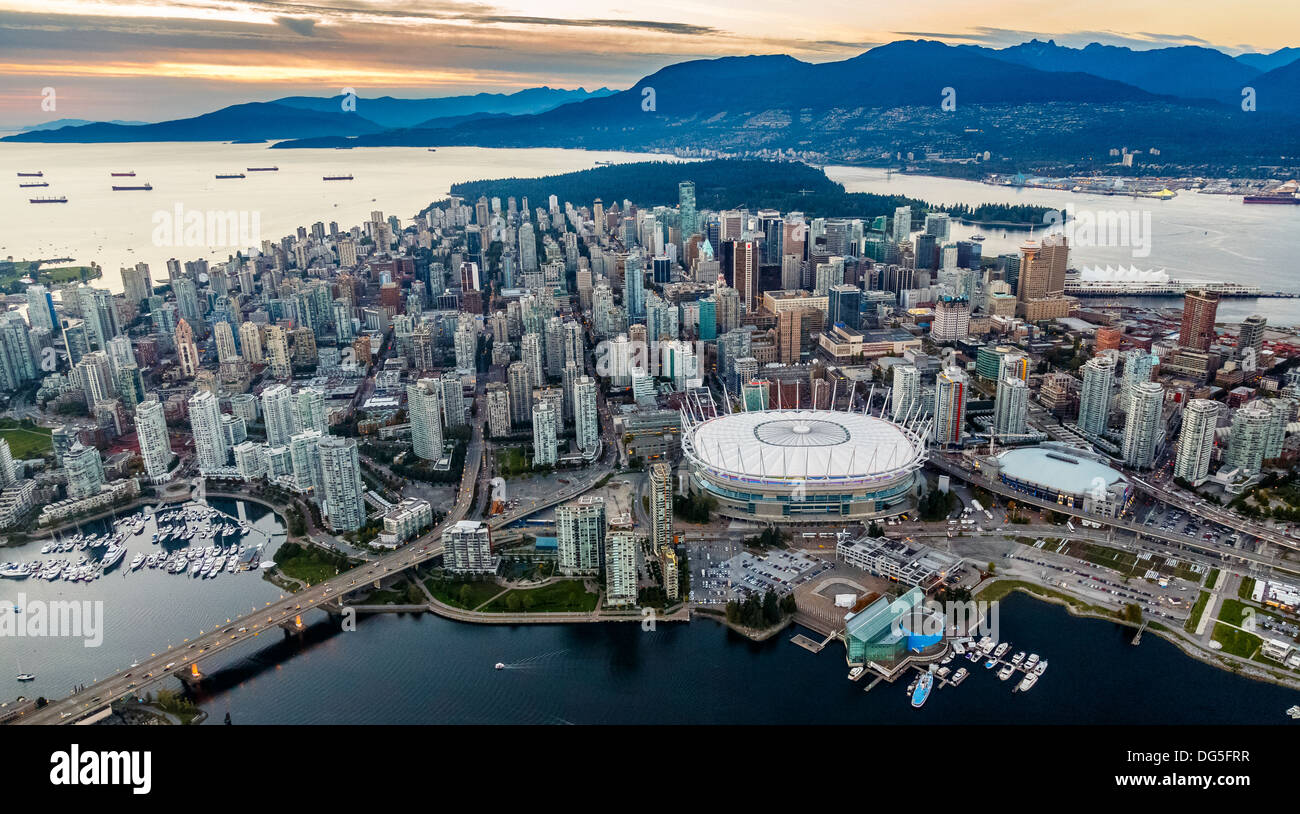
{"x":1057,"y":469}
{"x":803,"y":444}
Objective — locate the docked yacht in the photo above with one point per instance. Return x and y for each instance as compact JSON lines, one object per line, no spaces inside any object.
{"x":922,"y":691}
{"x":15,"y":570}
{"x":136,"y":562}
{"x":1002,"y":648}
{"x":1017,"y":658}
{"x":1029,"y":681}
{"x":112,"y":556}
{"x":959,"y":676}
{"x":1006,"y":672}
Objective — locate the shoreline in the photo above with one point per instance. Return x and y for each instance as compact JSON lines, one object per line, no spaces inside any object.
{"x":1245,"y":669}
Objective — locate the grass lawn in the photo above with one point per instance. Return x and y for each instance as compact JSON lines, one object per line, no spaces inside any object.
{"x":385,"y":597}
{"x":309,"y":563}
{"x":551,"y":598}
{"x":1003,"y":588}
{"x":1212,"y":578}
{"x":12,"y":272}
{"x":1246,"y":588}
{"x":1197,"y":610}
{"x":1234,"y":641}
{"x":451,"y":592}
{"x":513,"y":462}
{"x":25,"y":442}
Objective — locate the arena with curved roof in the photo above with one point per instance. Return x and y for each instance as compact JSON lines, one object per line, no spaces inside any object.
{"x":1072,"y":477}
{"x":804,"y":465}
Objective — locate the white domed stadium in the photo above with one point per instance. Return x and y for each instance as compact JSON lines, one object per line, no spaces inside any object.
{"x":804,"y":466}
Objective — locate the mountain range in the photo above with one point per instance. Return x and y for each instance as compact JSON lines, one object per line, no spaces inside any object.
{"x":309,"y":116}
{"x":1037,"y":101}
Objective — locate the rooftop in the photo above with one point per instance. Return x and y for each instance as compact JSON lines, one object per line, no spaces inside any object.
{"x":1057,"y":468}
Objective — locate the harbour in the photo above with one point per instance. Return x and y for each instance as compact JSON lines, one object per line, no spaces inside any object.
{"x":144,"y":608}
{"x":437,"y":671}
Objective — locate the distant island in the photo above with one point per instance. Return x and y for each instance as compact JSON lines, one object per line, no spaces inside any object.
{"x":736,"y":184}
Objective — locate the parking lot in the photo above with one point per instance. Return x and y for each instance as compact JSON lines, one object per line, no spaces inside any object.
{"x":1167,"y":518}
{"x":720,"y":580}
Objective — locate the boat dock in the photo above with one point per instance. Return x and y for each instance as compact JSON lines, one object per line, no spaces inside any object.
{"x":812,"y":645}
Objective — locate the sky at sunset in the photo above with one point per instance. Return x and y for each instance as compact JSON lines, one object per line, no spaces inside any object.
{"x":153,"y":60}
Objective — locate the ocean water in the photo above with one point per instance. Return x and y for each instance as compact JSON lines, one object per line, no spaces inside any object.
{"x":116,"y":229}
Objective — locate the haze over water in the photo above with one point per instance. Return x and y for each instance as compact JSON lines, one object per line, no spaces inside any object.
{"x":116,"y":229}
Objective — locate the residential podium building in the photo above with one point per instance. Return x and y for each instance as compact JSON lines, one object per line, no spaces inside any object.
{"x":620,"y":569}
{"x":423,"y":403}
{"x":580,"y":535}
{"x":1196,"y":441}
{"x":467,"y":548}
{"x":661,"y":505}
{"x":343,"y":503}
{"x":1144,"y":424}
{"x":155,"y":446}
{"x":1095,"y":395}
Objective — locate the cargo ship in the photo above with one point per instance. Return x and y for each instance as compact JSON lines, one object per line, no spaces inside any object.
{"x":230,"y":175}
{"x":347,"y":177}
{"x":263,"y":169}
{"x":31,"y":175}
{"x":1271,"y":199}
{"x":130,"y":174}
{"x":35,"y":184}
{"x":55,"y":199}
{"x":145,"y":186}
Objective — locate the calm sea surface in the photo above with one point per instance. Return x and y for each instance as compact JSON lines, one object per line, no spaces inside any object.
{"x":423,"y":669}
{"x":118,"y":229}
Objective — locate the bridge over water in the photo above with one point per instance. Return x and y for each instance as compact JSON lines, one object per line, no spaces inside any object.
{"x":287,"y":612}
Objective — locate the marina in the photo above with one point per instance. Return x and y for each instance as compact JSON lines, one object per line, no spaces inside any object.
{"x":178,"y":533}
{"x":985,"y":652}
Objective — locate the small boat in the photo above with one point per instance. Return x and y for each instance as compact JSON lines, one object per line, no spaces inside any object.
{"x":1028,"y":683}
{"x":1006,"y":672}
{"x":990,"y":664}
{"x":26,"y":677}
{"x":922,"y":691}
{"x":499,"y":666}
{"x":1017,"y":658}
{"x":1294,"y":712}
{"x":1041,"y":668}
{"x":1031,"y":661}
{"x":959,"y":676}
{"x":1002,"y":648}
{"x":854,"y":673}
